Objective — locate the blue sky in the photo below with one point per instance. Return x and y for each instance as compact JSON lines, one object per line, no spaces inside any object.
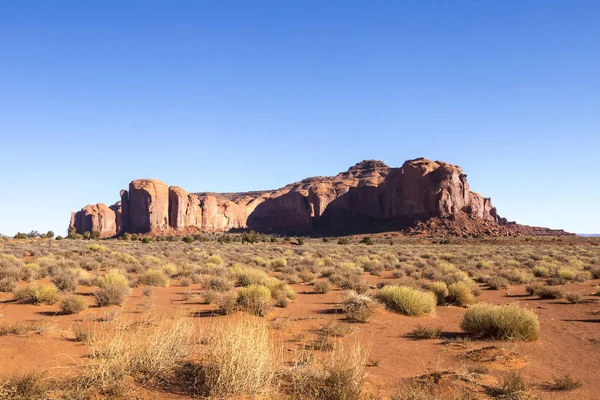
{"x":242,"y":95}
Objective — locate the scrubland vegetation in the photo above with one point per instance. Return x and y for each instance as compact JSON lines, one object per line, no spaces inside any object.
{"x":246,"y":288}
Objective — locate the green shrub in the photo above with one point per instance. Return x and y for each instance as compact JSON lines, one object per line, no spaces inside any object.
{"x":37,"y":294}
{"x":97,"y":247}
{"x":460,"y":294}
{"x":188,"y":239}
{"x":566,"y":274}
{"x":358,"y":307}
{"x":72,"y":304}
{"x":155,"y":277}
{"x":407,"y":301}
{"x":509,"y":322}
{"x":255,"y":299}
{"x":343,"y":241}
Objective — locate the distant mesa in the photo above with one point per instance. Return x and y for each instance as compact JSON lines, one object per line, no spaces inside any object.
{"x":423,"y":197}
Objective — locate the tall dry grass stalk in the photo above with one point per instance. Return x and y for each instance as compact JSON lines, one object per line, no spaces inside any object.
{"x":240,"y":358}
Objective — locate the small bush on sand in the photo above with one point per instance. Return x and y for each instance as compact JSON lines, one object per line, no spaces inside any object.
{"x":440,"y":289}
{"x":547,"y":292}
{"x":322,"y":287}
{"x":407,"y":301}
{"x":155,"y":277}
{"x":240,"y":359}
{"x":565,"y":384}
{"x":358,"y":307}
{"x":497,"y":283}
{"x":225,"y":303}
{"x":249,"y":276}
{"x":575,"y":297}
{"x":425,"y":332}
{"x":255,"y":299}
{"x":217,"y":283}
{"x":29,"y":386}
{"x":65,"y":281}
{"x":37,"y":294}
{"x":508,"y":322}
{"x":512,"y":387}
{"x":460,"y":294}
{"x":114,"y":288}
{"x":73,"y":304}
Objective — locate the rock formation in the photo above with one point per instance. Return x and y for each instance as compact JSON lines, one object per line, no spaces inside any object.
{"x":368,"y":197}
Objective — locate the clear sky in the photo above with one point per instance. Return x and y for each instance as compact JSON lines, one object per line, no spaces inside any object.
{"x":241,"y":95}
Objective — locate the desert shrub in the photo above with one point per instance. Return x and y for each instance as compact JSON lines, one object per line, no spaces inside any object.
{"x":440,"y":290}
{"x":575,"y":297}
{"x":460,"y":294}
{"x":72,"y":304}
{"x":217,"y":283}
{"x":155,"y":277}
{"x":97,"y":247}
{"x":509,"y":322}
{"x":541,"y":272}
{"x":65,"y":280}
{"x":549,"y":292}
{"x":343,"y":241}
{"x":249,"y":276}
{"x":340,"y":376}
{"x":7,"y":284}
{"x":566,"y":274}
{"x":306,"y":276}
{"x":255,"y":299}
{"x":37,"y":294}
{"x":513,"y":387}
{"x":240,"y":359}
{"x":582,"y":276}
{"x":497,"y":283}
{"x":279,"y":263}
{"x":425,"y":332}
{"x":114,"y":288}
{"x":279,"y":289}
{"x":215,"y":260}
{"x":407,"y":301}
{"x":29,"y":386}
{"x":358,"y":307}
{"x":188,"y":239}
{"x":225,"y":303}
{"x":565,"y":384}
{"x":322,"y":287}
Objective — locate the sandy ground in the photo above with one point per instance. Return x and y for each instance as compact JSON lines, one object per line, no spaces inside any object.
{"x":569,"y":340}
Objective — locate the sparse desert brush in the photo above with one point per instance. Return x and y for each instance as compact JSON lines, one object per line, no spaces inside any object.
{"x":547,"y":292}
{"x":565,"y":384}
{"x":440,"y":290}
{"x":114,"y":288}
{"x":497,"y":283}
{"x":575,"y":297}
{"x":7,"y":284}
{"x":28,"y":386}
{"x":65,"y":280}
{"x":460,"y":294}
{"x":566,"y":274}
{"x":407,"y":301}
{"x":507,"y":322}
{"x":541,"y":272}
{"x":240,"y":359}
{"x":217,"y":283}
{"x":582,"y":276}
{"x":97,"y":247}
{"x":359,"y":307}
{"x":255,"y":299}
{"x":425,"y":332}
{"x":215,"y":259}
{"x":72,"y":304}
{"x":341,"y":375}
{"x":36,"y":293}
{"x":155,"y":277}
{"x":322,"y":287}
{"x":225,"y":302}
{"x":142,"y":352}
{"x":306,"y":276}
{"x":279,"y":289}
{"x":249,"y":276}
{"x":512,"y":387}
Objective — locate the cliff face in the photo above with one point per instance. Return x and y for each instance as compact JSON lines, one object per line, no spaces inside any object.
{"x":369,"y":196}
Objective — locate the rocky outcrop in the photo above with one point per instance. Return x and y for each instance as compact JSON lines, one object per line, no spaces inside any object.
{"x":369,"y":196}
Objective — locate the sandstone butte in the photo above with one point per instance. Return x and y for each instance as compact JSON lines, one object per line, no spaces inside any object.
{"x":422,"y":197}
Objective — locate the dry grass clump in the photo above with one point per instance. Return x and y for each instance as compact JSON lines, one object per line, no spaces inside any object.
{"x":508,"y":322}
{"x":322,"y":287}
{"x":36,"y":294}
{"x":255,"y":299}
{"x":575,"y":297}
{"x":512,"y":387}
{"x":425,"y":332}
{"x":497,"y":283}
{"x":565,"y":384}
{"x":339,"y":376}
{"x":249,"y":276}
{"x":240,"y":359}
{"x":407,"y":301}
{"x":440,"y":289}
{"x":545,"y":292}
{"x":29,"y":386}
{"x":114,"y":288}
{"x":359,"y":307}
{"x":141,"y":352}
{"x":72,"y":304}
{"x":155,"y":277}
{"x":217,"y":283}
{"x":460,"y":294}
{"x":65,"y":280}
